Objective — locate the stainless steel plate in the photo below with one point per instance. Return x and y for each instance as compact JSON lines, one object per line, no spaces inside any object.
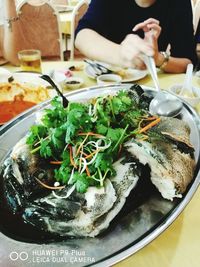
{"x":141,"y":223}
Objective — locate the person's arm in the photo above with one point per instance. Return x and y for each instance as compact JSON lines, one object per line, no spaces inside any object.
{"x":95,"y":37}
{"x":126,"y":54}
{"x":13,"y":36}
{"x":176,"y":65}
{"x":152,"y":32}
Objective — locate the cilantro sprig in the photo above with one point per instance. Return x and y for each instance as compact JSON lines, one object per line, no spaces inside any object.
{"x":83,"y":140}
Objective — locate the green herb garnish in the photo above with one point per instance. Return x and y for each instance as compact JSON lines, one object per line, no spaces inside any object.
{"x":83,"y":141}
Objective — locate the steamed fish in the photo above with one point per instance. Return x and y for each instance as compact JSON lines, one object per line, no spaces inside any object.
{"x":170,"y":160}
{"x":72,"y":175}
{"x":77,"y":215}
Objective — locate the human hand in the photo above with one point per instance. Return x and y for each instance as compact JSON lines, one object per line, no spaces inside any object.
{"x":152,"y":32}
{"x":132,"y":49}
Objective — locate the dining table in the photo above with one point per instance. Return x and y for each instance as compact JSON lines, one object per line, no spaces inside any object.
{"x":179,"y":244}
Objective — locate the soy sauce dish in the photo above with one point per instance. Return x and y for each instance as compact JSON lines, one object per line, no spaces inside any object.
{"x":102,"y":170}
{"x":72,"y":83}
{"x":106,"y":79}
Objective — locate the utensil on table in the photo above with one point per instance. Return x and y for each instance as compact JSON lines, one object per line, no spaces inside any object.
{"x":51,"y":82}
{"x":98,"y":68}
{"x":6,"y":75}
{"x":187,"y":85}
{"x":162,"y":104}
{"x":187,"y":91}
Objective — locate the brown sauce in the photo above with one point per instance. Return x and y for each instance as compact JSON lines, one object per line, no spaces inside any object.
{"x":10,"y":109}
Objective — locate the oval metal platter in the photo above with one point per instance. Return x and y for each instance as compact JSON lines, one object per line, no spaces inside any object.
{"x":143,"y":220}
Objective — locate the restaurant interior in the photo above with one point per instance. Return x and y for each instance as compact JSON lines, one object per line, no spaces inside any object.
{"x":153,"y":232}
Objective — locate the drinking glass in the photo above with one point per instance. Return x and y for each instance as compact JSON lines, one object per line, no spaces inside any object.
{"x":30,"y":60}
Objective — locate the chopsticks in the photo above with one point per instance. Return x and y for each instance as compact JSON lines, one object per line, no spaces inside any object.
{"x":98,"y":68}
{"x":51,"y":82}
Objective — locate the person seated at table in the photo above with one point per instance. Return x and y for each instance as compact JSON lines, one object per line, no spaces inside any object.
{"x":35,"y":31}
{"x":2,"y":60}
{"x":11,"y":34}
{"x":121,"y":32}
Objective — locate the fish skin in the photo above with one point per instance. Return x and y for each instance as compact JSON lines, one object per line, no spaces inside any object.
{"x":79,"y":215}
{"x":91,"y":213}
{"x":169,"y":165}
{"x":175,"y":129}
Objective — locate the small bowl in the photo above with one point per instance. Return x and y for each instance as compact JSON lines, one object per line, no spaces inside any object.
{"x":193,"y":101}
{"x":106,"y":79}
{"x":72,"y":83}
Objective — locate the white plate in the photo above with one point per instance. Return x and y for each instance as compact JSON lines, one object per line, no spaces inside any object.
{"x":29,"y":79}
{"x":132,"y":75}
{"x":31,"y":86}
{"x":22,"y":77}
{"x":128,"y":75}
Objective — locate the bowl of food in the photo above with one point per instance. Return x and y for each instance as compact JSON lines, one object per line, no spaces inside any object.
{"x":192,"y":96}
{"x":20,"y":92}
{"x":106,"y":79}
{"x":72,"y":83}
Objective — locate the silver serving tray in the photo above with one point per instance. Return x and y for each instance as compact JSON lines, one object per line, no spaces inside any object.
{"x":128,"y":234}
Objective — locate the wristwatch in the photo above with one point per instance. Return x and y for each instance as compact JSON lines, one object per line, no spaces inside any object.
{"x":166,"y":59}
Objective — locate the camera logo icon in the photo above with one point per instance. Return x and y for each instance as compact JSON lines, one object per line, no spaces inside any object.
{"x":14,"y":256}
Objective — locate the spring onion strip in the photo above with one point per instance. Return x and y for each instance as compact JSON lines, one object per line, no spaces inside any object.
{"x":93,"y":143}
{"x":71,"y":157}
{"x":121,"y":137}
{"x":95,"y":155}
{"x":105,"y":175}
{"x":111,"y":106}
{"x":93,"y":159}
{"x":35,"y":149}
{"x":41,"y":140}
{"x":94,"y":119}
{"x":94,"y":178}
{"x":94,"y":112}
{"x":69,"y":192}
{"x":84,"y":165}
{"x":79,"y":168}
{"x":73,"y":151}
{"x":92,"y":134}
{"x":66,"y":147}
{"x":90,"y":111}
{"x":71,"y":177}
{"x":105,"y":146}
